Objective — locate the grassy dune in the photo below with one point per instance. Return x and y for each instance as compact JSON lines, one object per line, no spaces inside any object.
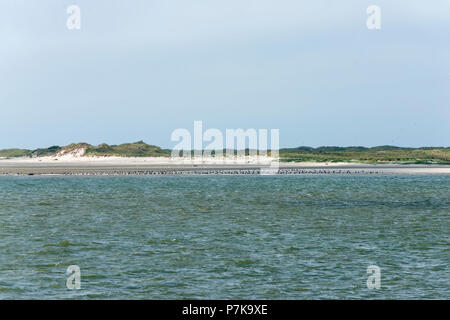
{"x":380,"y":154}
{"x":137,"y":149}
{"x":14,"y":153}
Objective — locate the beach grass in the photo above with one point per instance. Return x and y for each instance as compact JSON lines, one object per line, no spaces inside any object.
{"x":379,"y":154}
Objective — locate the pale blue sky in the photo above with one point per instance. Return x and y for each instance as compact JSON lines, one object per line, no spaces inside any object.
{"x":138,"y":69}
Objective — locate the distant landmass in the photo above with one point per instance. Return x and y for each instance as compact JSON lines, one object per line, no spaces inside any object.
{"x":380,"y":154}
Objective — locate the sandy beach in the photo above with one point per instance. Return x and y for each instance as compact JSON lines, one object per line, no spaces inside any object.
{"x":168,"y":166}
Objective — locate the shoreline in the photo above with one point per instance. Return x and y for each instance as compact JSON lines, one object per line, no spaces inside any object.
{"x":113,"y":166}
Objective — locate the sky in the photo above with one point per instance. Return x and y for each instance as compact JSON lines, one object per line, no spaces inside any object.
{"x":139,"y":69}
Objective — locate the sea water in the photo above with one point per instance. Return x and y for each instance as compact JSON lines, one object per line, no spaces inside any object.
{"x":225,"y":237}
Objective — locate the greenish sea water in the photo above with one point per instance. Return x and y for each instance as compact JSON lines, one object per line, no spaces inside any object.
{"x":225,"y":237}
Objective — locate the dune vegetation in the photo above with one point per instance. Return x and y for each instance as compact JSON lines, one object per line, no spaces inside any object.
{"x":137,"y":149}
{"x":380,"y":154}
{"x":14,"y":153}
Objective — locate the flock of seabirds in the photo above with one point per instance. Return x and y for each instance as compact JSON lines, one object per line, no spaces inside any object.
{"x":216,"y":171}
